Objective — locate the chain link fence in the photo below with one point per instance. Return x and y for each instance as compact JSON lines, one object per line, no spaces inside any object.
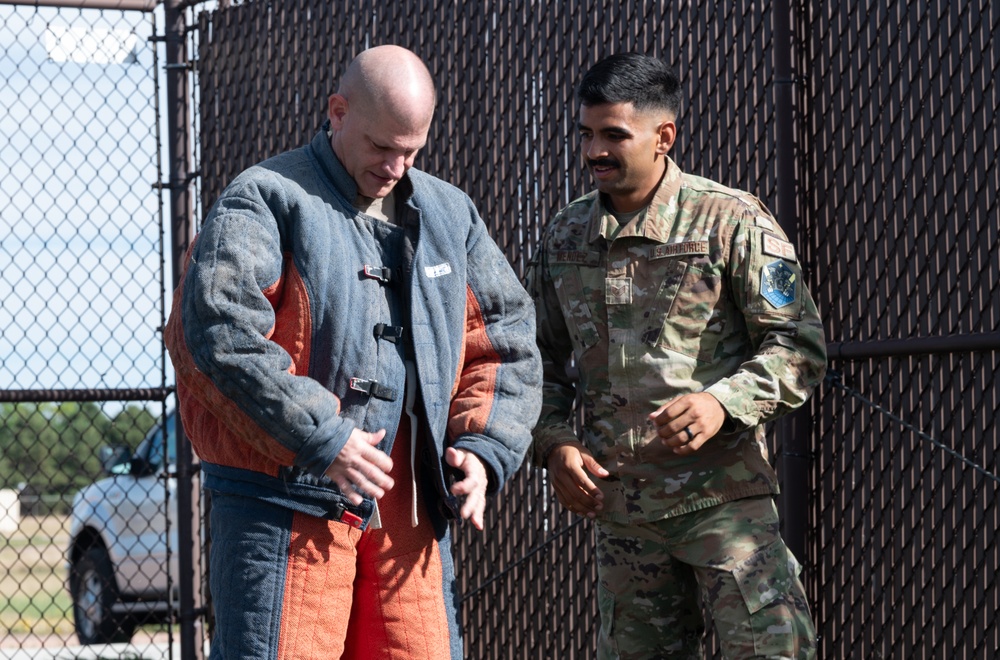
{"x":506,"y":134}
{"x":891,"y":129}
{"x":83,"y":457}
{"x":901,"y":189}
{"x":884,"y":151}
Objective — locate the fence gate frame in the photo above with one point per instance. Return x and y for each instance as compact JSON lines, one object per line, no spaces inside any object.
{"x":191,"y":608}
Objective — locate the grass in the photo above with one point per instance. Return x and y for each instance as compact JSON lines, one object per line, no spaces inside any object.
{"x":33,"y":594}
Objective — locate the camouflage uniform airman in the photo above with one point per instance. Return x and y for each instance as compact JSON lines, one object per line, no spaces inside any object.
{"x":702,"y":293}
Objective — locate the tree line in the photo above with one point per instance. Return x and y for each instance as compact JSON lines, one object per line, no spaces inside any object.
{"x":54,"y":449}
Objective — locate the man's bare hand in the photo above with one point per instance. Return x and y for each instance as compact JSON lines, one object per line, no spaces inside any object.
{"x":472,"y":487}
{"x":361,"y":467}
{"x":688,"y":422}
{"x":568,"y":466}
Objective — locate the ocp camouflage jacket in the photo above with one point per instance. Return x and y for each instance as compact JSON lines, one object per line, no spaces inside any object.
{"x":295,"y":318}
{"x":701,"y":293}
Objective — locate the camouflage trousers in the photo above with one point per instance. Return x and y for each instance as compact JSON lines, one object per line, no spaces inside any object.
{"x":654,"y":578}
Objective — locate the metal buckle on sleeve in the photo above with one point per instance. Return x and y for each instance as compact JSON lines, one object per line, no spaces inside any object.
{"x":393,"y":333}
{"x":373,"y":388}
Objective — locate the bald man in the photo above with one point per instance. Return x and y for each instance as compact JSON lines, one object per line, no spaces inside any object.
{"x":356,"y":364}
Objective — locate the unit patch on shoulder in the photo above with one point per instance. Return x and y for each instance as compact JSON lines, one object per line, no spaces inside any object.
{"x":776,"y":247}
{"x":778,"y":284}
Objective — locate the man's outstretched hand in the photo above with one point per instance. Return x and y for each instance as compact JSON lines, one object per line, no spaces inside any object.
{"x":472,"y":487}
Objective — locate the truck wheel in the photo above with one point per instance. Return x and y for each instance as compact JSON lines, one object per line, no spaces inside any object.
{"x":92,"y":583}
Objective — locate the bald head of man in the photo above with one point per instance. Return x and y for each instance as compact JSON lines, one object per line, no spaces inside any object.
{"x":380,"y":116}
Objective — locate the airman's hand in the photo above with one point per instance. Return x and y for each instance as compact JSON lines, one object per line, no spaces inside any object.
{"x":688,"y":422}
{"x":568,"y":466}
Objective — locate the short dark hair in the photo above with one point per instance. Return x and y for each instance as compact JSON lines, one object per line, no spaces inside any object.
{"x":645,"y":82}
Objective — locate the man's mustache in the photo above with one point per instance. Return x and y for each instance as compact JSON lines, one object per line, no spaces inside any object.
{"x":602,"y":162}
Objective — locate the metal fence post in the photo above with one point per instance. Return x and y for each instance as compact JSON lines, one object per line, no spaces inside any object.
{"x":793,"y":431}
{"x":181,"y":221}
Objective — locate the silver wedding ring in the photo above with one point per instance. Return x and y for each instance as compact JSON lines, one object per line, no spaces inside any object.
{"x":690,"y":435}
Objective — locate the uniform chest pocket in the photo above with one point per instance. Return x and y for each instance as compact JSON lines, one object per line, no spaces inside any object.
{"x":575,"y":299}
{"x":685,"y":315}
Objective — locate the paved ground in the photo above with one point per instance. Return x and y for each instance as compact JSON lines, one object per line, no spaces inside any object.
{"x":142,"y":647}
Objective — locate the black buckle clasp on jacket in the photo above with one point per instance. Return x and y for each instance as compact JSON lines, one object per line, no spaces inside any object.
{"x":393,"y":333}
{"x":374,"y":388}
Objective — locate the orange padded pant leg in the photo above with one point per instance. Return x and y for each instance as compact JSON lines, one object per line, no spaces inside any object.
{"x":399,"y":610}
{"x":389,"y":580}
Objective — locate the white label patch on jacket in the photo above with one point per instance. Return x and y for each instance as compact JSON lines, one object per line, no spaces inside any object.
{"x":437,"y":271}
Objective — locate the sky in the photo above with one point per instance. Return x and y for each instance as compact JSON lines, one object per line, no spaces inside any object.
{"x":81,"y":269}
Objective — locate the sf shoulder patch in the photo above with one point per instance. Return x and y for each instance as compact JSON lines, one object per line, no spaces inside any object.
{"x":776,"y":247}
{"x":778,"y":283}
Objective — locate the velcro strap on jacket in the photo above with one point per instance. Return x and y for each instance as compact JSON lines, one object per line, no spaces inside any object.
{"x":392,"y":333}
{"x":374,"y":388}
